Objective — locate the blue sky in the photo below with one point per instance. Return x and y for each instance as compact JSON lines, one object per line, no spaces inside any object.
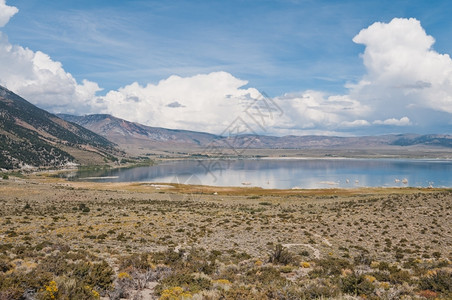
{"x":278,"y":47}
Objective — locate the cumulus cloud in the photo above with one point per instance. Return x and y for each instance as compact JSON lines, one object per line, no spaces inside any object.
{"x":210,"y":102}
{"x":36,"y":77}
{"x":404,"y":121}
{"x":206,"y":102}
{"x":403,"y":70}
{"x":404,"y":76}
{"x":356,"y":123}
{"x":314,"y":109}
{"x":6,"y":12}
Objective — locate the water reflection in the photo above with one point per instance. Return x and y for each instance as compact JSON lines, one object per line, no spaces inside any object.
{"x":293,"y":173}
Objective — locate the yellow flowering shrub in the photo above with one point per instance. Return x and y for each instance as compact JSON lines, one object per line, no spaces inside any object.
{"x":346,"y":272}
{"x":221,"y":281}
{"x":305,"y":264}
{"x":93,"y":292}
{"x":51,"y":290}
{"x":175,"y":293}
{"x":123,"y":275}
{"x":384,"y":285}
{"x":369,"y":278}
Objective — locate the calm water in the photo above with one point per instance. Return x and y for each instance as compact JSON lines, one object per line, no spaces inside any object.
{"x":290,"y":173}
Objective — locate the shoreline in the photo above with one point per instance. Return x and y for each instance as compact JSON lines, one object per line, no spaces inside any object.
{"x":147,"y":186}
{"x":306,"y":154}
{"x":360,"y":177}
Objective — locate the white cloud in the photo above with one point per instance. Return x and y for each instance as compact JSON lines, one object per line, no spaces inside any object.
{"x":6,"y":12}
{"x":210,"y":102}
{"x":403,"y":71}
{"x":356,"y":123}
{"x":207,"y":102}
{"x":39,"y":79}
{"x":403,"y":75}
{"x":314,"y":109}
{"x":404,"y":121}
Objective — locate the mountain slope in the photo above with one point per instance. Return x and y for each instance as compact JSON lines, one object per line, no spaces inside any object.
{"x":309,"y":142}
{"x":32,"y":136}
{"x":123,"y":132}
{"x":440,"y":140}
{"x":130,"y":134}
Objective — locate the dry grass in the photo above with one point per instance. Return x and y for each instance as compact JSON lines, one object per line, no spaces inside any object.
{"x":247,"y":218}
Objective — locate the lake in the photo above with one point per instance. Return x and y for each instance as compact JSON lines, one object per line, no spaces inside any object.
{"x":289,"y":173}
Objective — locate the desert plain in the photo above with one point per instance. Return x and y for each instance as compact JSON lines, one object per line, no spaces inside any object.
{"x":64,"y":239}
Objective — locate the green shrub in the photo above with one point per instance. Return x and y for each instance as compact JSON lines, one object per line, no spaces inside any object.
{"x":83,"y":208}
{"x":400,"y":277}
{"x":280,"y":255}
{"x":5,"y":266}
{"x":242,"y":293}
{"x":55,"y":264}
{"x":11,"y":293}
{"x":188,"y":282}
{"x":436,"y":254}
{"x":318,"y":289}
{"x":362,"y":259}
{"x":356,"y":285}
{"x":136,"y":261}
{"x":101,"y":276}
{"x":381,"y":276}
{"x":438,"y":281}
{"x":193,"y":261}
{"x":330,"y":266}
{"x":17,"y":283}
{"x":265,"y":276}
{"x":168,"y":257}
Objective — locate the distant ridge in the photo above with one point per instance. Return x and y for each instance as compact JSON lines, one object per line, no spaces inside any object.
{"x":428,"y":139}
{"x":124,"y":132}
{"x":30,"y":136}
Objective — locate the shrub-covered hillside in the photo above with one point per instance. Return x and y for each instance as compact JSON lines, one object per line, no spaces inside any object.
{"x":32,"y":136}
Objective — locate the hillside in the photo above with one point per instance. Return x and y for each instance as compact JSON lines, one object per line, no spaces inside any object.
{"x":123,"y":132}
{"x":332,"y":142}
{"x":439,"y":140}
{"x":132,"y":135}
{"x":30,"y":136}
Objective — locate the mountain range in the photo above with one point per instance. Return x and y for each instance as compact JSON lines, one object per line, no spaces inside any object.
{"x":127,"y":134}
{"x":30,"y":136}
